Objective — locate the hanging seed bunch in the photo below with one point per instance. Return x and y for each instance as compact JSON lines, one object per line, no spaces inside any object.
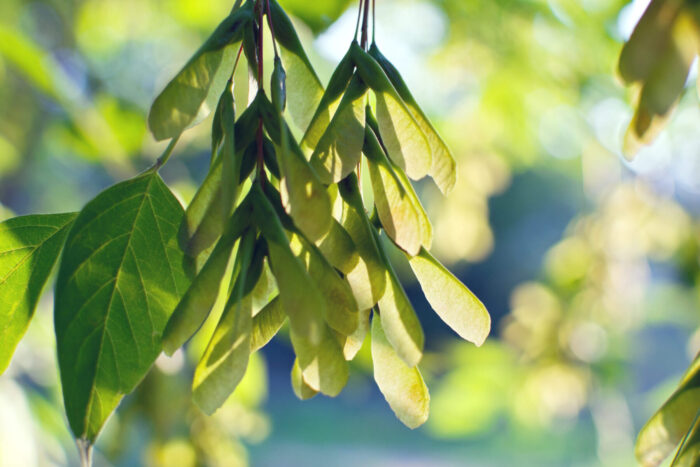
{"x":308,"y":251}
{"x":139,"y":275}
{"x":657,"y":61}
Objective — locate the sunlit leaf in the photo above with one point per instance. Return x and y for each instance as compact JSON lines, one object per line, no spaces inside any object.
{"x":397,"y":213}
{"x":402,"y":386}
{"x":648,"y":40}
{"x":689,"y":452}
{"x":665,"y":429}
{"x":302,"y":390}
{"x":193,"y":93}
{"x":120,"y":278}
{"x":29,"y":248}
{"x":329,"y":103}
{"x":304,"y":89}
{"x":303,"y":195}
{"x":266,"y":324}
{"x":323,"y":366}
{"x":352,"y":343}
{"x":403,"y":138}
{"x":210,"y":209}
{"x":318,"y":15}
{"x":200,"y":297}
{"x":444,"y":167}
{"x":340,"y":148}
{"x":338,"y":248}
{"x":367,"y":278}
{"x":663,"y":85}
{"x":301,"y":299}
{"x":341,"y":307}
{"x":399,"y":320}
{"x":456,"y":305}
{"x":226,"y":357}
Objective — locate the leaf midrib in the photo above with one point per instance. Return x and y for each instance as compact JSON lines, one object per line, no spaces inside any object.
{"x":104,"y":328}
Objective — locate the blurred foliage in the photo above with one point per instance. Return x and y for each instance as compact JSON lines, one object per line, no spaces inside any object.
{"x":595,"y":342}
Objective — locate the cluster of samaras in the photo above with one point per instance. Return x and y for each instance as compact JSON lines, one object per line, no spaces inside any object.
{"x":139,"y":275}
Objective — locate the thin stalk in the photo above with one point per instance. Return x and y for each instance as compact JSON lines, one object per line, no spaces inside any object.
{"x":261,"y":88}
{"x":365,"y":25}
{"x":160,"y":162}
{"x":374,"y":20}
{"x":272,"y":29}
{"x":85,"y":451}
{"x":357,"y":24}
{"x":235,"y":65}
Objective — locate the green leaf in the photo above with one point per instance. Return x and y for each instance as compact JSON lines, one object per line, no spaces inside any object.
{"x":341,"y":307}
{"x":399,"y":319}
{"x":401,"y":135}
{"x":316,"y":15}
{"x":200,"y":297}
{"x":303,"y":195}
{"x":194,"y":91}
{"x":671,"y":422}
{"x":663,"y":86}
{"x":340,"y":148}
{"x":329,"y":103}
{"x":444,"y":167}
{"x":29,"y":248}
{"x":402,"y":386}
{"x":304,"y":89}
{"x":456,"y":305}
{"x":397,"y":213}
{"x":210,"y":209}
{"x":688,"y":454}
{"x":120,"y":278}
{"x":266,"y":324}
{"x":225,"y":359}
{"x":338,"y":248}
{"x":301,"y":299}
{"x":367,"y":279}
{"x":352,"y":343}
{"x":266,"y":288}
{"x":648,"y":40}
{"x":323,"y":366}
{"x":302,"y":390}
